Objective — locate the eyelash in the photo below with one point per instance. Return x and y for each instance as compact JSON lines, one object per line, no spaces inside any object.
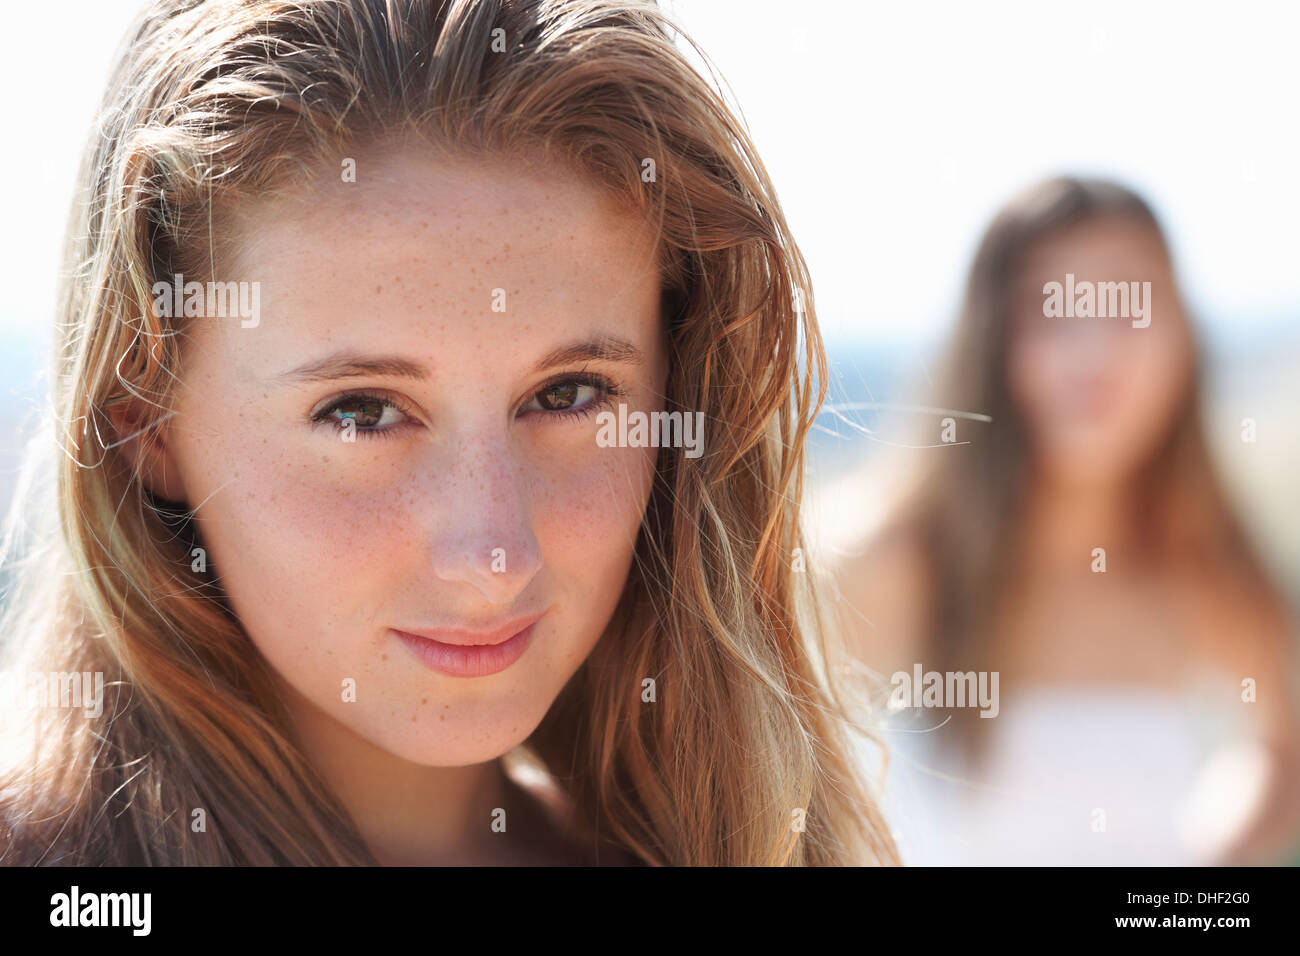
{"x":606,"y":390}
{"x":380,"y":397}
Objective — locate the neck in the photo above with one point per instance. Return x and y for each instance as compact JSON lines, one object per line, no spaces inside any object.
{"x":1061,"y":521}
{"x":406,"y":813}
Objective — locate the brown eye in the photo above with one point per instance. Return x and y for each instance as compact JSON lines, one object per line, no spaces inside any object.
{"x":567,"y":398}
{"x":559,"y":396}
{"x":365,"y":412}
{"x":368,"y":413}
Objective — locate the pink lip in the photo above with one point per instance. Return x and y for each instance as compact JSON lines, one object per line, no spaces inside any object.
{"x":459,"y":653}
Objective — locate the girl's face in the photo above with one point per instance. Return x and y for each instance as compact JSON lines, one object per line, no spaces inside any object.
{"x":406,"y":441}
{"x":1098,"y":393}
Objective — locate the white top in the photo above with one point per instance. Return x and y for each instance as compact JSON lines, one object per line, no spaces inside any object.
{"x":1128,"y":776}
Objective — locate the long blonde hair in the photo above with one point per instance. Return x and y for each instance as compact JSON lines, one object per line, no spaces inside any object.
{"x":746,"y":757}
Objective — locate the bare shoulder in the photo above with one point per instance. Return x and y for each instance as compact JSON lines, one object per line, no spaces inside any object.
{"x":1244,"y":628}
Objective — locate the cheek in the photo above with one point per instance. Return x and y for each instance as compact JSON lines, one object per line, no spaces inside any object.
{"x":587,"y":512}
{"x":1037,"y":373}
{"x":1154,"y":378}
{"x":301,"y":547}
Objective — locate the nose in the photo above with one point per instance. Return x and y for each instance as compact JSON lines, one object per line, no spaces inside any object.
{"x":1095,"y":341}
{"x":483,"y":533}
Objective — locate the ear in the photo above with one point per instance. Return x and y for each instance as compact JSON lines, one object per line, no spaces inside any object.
{"x":141,"y":431}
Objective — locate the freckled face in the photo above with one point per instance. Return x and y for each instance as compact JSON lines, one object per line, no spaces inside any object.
{"x":474,"y":492}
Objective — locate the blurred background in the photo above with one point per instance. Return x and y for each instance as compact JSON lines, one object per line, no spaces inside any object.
{"x":894,"y":133}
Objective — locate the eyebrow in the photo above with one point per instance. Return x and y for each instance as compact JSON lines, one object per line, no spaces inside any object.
{"x":603,"y":349}
{"x":352,"y":365}
{"x":355,"y":365}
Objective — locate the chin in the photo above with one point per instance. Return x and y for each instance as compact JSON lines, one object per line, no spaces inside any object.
{"x":457,"y":742}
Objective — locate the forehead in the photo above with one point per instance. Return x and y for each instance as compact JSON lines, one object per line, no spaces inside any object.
{"x":426,"y":214}
{"x":1101,"y":244}
{"x":424,"y":246}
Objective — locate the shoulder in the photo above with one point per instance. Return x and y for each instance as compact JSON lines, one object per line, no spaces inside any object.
{"x":1245,"y":626}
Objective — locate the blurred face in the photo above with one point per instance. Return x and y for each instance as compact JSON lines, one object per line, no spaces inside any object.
{"x":1097,"y":393}
{"x":396,"y":468}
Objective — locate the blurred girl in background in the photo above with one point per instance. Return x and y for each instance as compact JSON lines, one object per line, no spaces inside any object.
{"x":1080,"y":545}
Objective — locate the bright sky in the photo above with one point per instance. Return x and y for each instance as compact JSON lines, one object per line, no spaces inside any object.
{"x":892,"y":132}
